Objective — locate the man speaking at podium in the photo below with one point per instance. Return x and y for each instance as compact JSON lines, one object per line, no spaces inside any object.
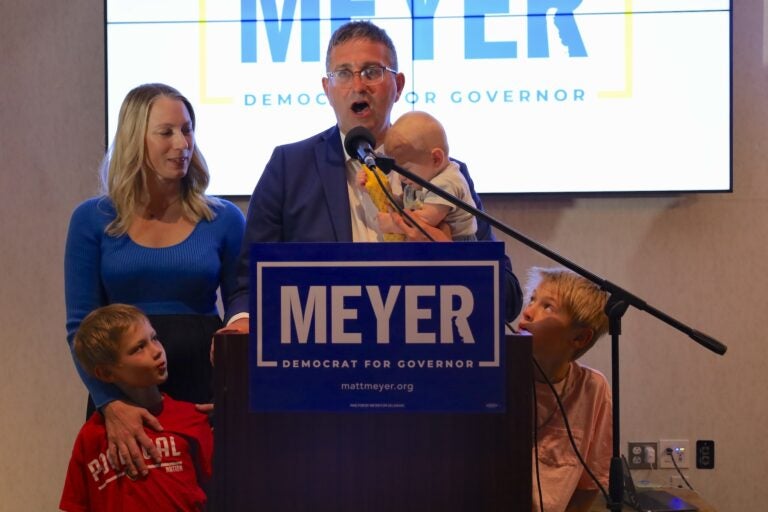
{"x":308,"y":190}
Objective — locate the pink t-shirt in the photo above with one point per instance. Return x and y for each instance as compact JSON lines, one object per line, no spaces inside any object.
{"x":586,"y":397}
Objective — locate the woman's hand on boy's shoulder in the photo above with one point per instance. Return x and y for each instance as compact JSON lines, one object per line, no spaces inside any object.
{"x":126,"y":437}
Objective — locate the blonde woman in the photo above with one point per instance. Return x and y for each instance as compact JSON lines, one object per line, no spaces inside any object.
{"x":156,"y":241}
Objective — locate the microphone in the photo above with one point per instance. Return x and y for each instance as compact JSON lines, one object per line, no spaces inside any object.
{"x":359,"y":144}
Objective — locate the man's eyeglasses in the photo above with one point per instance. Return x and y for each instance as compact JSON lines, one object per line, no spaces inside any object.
{"x":371,"y":75}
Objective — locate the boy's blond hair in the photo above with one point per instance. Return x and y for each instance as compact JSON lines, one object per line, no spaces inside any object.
{"x":97,"y":341}
{"x":580,"y":298}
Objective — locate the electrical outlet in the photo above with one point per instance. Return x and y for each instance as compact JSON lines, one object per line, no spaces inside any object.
{"x":705,"y":454}
{"x":642,"y":455}
{"x":679,"y":449}
{"x":676,"y":481}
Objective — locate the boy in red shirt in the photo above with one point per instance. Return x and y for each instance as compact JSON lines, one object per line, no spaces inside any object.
{"x":117,"y":344}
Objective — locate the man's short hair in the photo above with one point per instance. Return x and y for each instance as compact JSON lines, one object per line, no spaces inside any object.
{"x":361,"y":30}
{"x":97,"y":341}
{"x":579,"y":297}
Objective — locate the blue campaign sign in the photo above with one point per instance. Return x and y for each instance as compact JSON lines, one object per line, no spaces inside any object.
{"x":377,"y":326}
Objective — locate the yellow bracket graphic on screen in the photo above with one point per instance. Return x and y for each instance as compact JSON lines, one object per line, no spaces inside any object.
{"x":628,"y":70}
{"x":203,"y":64}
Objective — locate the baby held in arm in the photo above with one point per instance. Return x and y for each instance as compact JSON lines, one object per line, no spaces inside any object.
{"x":418,"y":143}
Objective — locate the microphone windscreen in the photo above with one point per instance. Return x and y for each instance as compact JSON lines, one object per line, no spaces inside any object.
{"x":355,"y":136}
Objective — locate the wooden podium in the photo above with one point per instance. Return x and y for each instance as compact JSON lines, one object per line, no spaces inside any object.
{"x":369,"y":462}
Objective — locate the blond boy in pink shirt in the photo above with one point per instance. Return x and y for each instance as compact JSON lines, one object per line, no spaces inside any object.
{"x":565,"y":313}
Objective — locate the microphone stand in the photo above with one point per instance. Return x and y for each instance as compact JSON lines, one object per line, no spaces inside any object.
{"x":619,"y":301}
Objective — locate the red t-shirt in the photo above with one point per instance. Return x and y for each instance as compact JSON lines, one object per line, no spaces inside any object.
{"x":186,"y":448}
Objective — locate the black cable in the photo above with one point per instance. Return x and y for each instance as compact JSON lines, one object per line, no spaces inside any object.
{"x":536,"y":440}
{"x":570,"y":434}
{"x":674,"y":462}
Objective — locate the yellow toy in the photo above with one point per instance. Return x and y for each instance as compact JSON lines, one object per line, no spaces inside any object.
{"x":379,"y":197}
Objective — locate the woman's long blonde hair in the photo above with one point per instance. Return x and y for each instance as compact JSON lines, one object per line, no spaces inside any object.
{"x":121,"y":171}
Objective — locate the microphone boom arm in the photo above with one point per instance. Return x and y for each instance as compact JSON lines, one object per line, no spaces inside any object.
{"x":387,"y":164}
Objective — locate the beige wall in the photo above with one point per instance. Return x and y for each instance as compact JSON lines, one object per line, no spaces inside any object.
{"x":697,"y":257}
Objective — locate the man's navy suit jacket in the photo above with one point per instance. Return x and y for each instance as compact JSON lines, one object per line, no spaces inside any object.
{"x":302,"y":197}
